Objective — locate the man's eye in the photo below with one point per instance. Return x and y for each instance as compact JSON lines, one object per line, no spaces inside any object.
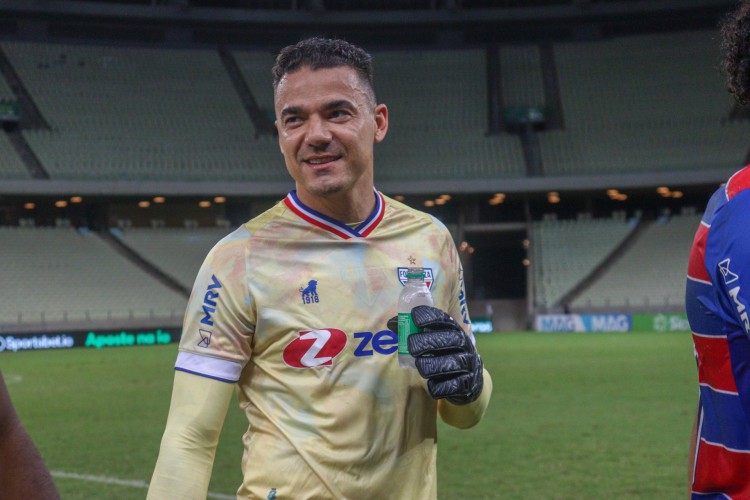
{"x":339,"y":114}
{"x":292,"y":120}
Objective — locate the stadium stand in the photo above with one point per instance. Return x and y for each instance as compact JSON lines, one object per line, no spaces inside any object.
{"x":522,"y":76}
{"x":641,"y":104}
{"x":567,"y":251}
{"x":256,"y":70}
{"x":455,"y":79}
{"x":6,"y":93}
{"x":134,"y":113}
{"x":438,"y":118}
{"x":62,"y":276}
{"x":160,"y":114}
{"x":651,"y":275}
{"x":146,"y":114}
{"x":158,"y":247}
{"x":11,"y":165}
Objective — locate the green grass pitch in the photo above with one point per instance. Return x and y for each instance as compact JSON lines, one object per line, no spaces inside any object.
{"x":572,"y":416}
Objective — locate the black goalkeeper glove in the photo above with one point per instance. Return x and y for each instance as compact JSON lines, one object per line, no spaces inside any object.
{"x":444,"y":355}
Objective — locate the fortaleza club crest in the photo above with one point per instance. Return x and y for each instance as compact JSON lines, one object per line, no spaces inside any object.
{"x":310,"y":293}
{"x":427,"y":276}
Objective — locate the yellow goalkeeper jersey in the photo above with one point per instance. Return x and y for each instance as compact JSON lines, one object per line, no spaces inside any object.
{"x":292,"y":307}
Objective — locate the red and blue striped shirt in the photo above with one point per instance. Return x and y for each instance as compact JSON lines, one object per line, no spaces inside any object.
{"x":717,"y":296}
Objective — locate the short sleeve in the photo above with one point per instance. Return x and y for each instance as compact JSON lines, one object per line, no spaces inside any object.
{"x":728,"y":260}
{"x":220,"y":318}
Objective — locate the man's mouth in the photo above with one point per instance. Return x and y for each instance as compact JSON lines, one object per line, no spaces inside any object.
{"x":320,"y":162}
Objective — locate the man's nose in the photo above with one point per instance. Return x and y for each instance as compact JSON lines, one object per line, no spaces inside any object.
{"x":318,"y":132}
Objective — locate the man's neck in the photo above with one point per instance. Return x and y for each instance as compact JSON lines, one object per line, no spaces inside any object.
{"x":343,"y":207}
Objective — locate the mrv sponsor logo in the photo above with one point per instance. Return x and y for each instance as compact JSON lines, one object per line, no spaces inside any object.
{"x":584,"y":323}
{"x":730,"y":277}
{"x":209,"y":301}
{"x":741,"y":308}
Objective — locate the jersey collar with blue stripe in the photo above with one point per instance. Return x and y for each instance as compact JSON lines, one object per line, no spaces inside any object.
{"x":332,"y":225}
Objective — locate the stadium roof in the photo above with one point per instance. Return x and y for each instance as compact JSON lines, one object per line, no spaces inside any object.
{"x":372,"y":22}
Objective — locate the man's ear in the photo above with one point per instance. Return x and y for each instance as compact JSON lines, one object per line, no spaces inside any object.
{"x":381,"y":122}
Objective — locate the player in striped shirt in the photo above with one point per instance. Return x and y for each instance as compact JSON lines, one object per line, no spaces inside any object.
{"x":718,"y":289}
{"x":717,"y":300}
{"x":292,"y":307}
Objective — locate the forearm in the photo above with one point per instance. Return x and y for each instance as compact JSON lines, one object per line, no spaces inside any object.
{"x":23,"y":473}
{"x":186,"y":456}
{"x":468,"y":415}
{"x":22,"y":470}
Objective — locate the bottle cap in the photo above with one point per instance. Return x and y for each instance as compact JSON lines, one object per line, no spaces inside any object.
{"x":415,"y":272}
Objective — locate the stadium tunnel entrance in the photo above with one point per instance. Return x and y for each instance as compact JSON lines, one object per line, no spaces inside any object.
{"x":496,"y":268}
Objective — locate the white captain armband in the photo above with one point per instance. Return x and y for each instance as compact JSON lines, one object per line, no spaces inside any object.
{"x":206,"y":366}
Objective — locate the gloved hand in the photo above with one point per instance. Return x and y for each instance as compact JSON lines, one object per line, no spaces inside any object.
{"x":444,"y":355}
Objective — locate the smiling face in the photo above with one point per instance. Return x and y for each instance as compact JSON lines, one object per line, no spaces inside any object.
{"x":328,"y":126}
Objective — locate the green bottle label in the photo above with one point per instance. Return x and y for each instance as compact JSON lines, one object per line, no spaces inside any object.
{"x":406,"y":327}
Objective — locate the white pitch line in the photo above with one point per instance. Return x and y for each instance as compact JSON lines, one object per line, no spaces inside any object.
{"x":132,"y":483}
{"x":12,"y":379}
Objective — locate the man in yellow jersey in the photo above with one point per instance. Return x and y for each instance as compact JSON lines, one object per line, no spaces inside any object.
{"x":291,"y":310}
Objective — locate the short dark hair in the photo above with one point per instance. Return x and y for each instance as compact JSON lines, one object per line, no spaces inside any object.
{"x":735,"y":32}
{"x":322,"y":53}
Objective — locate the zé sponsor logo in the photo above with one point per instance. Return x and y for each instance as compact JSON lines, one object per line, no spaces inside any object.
{"x":315,"y":348}
{"x":320,"y":347}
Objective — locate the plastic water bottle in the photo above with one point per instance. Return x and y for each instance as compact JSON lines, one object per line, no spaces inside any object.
{"x":415,"y":293}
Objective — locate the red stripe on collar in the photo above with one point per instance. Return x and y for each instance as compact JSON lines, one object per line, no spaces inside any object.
{"x":332,"y":225}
